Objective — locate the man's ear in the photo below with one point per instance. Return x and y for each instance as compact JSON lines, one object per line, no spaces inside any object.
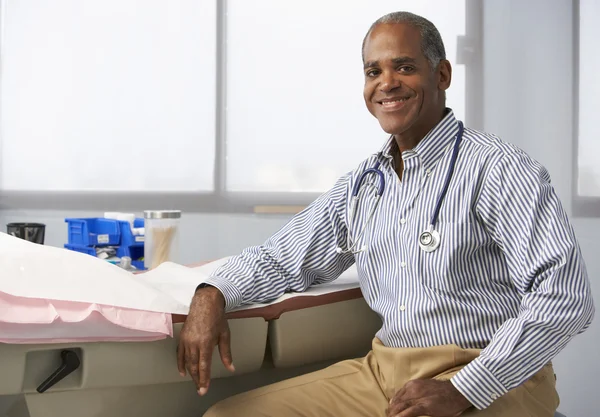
{"x":444,"y":74}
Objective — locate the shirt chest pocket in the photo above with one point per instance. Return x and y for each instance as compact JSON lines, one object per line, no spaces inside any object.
{"x":446,"y":268}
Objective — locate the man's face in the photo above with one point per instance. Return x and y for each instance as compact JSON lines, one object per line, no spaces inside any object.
{"x":401,"y":90}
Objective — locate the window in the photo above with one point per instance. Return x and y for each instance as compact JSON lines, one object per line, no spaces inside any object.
{"x":111,"y":95}
{"x":221,"y":105}
{"x":296,"y":119}
{"x":587,"y":91}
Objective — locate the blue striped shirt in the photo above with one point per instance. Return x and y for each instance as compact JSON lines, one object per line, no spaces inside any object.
{"x":507,"y":278}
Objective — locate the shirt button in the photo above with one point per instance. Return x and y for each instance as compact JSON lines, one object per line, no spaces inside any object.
{"x":402,"y":307}
{"x":428,"y":172}
{"x":403,"y":264}
{"x":402,"y":221}
{"x":494,"y":396}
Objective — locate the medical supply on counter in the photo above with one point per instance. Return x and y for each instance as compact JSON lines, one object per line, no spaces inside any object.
{"x":111,"y":238}
{"x":106,"y":252}
{"x":125,"y":263}
{"x":32,"y":232}
{"x":162,"y":237}
{"x":429,"y":239}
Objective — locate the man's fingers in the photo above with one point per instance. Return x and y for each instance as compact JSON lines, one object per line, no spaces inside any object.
{"x":417,"y":410}
{"x":398,"y":396}
{"x":413,"y":389}
{"x":204,"y":370}
{"x":399,"y":406}
{"x":181,"y":359}
{"x":225,"y":350}
{"x":191,"y":362}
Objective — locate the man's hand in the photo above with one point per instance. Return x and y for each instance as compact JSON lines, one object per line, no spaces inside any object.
{"x":204,"y":327}
{"x":428,"y":397}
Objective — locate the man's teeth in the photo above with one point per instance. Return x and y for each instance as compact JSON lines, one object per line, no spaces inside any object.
{"x":393,"y":101}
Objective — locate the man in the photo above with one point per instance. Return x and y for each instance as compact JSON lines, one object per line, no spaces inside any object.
{"x":469,"y":328}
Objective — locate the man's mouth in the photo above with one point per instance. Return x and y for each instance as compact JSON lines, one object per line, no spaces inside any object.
{"x":391,"y":104}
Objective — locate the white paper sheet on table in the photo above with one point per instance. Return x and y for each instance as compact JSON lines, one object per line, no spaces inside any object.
{"x":37,"y":271}
{"x":44,"y":272}
{"x":180,"y":281}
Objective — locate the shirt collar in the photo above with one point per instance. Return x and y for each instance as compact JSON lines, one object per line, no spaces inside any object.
{"x":388,"y":148}
{"x":433,"y":146}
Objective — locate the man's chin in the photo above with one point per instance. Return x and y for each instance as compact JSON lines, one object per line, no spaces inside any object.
{"x":396,"y":128}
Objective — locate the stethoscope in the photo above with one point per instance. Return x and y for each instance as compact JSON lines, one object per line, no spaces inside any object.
{"x":429,"y":239}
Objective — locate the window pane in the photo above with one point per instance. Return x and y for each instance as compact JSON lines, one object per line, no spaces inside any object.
{"x":296,"y":119}
{"x":589,"y":99}
{"x":111,"y":95}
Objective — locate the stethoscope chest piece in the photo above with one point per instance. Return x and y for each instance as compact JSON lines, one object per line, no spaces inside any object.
{"x":429,"y":240}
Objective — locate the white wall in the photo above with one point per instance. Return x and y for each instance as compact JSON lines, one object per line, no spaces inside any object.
{"x":528,"y":100}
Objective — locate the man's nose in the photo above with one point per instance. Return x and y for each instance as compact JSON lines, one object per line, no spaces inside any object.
{"x":389,"y":82}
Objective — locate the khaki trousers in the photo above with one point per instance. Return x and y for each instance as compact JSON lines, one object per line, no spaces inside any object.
{"x":364,"y":387}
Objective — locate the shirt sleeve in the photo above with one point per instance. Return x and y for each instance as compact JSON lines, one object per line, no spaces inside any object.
{"x":302,"y":253}
{"x":522,"y":213}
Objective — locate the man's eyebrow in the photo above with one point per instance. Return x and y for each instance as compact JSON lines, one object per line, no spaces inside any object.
{"x":397,"y":61}
{"x":404,"y":60}
{"x":370,"y":64}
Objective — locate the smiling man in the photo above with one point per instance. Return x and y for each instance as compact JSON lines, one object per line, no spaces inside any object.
{"x":404,"y":85}
{"x":474,"y":309}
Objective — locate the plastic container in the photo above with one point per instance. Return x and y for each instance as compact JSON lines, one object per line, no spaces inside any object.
{"x":32,"y":232}
{"x":161,"y":237}
{"x":90,"y":250}
{"x":125,"y":237}
{"x":93,"y":232}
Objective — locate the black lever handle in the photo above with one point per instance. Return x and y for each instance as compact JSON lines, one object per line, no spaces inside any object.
{"x":70,"y":362}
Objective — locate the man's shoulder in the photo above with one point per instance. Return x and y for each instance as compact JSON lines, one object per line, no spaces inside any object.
{"x":484,"y":142}
{"x":490,"y":149}
{"x":492,"y":145}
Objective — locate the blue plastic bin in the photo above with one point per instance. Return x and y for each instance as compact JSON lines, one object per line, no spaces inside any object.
{"x":127,"y":237}
{"x":87,"y":234}
{"x":83,"y":249}
{"x":93,"y":232}
{"x":131,"y":245}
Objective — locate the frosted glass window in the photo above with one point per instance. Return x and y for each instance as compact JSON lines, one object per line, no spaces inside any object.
{"x":295,"y":117}
{"x":108,"y":95}
{"x":589,"y":99}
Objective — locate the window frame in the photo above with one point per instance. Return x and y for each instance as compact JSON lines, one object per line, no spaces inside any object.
{"x":220,"y":200}
{"x":582,"y":207}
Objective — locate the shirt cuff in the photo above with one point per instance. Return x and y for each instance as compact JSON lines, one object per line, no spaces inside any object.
{"x":478,"y":384}
{"x":231,"y":293}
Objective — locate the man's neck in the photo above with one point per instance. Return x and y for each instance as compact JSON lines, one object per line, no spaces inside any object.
{"x":411,"y":138}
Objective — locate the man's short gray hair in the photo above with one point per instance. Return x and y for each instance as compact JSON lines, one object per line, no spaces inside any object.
{"x":431,"y":41}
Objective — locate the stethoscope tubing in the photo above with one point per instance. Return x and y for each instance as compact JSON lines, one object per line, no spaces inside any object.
{"x":381,"y":188}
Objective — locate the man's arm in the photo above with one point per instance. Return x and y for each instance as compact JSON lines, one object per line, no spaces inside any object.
{"x":302,"y":253}
{"x":524,"y":216}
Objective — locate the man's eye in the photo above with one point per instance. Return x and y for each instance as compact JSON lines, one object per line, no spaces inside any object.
{"x":406,"y":68}
{"x":372,"y":73}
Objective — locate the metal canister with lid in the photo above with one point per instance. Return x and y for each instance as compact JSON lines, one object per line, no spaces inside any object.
{"x":162,"y":237}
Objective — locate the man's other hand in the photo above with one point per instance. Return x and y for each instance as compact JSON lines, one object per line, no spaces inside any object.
{"x":428,"y":397}
{"x":204,"y":327}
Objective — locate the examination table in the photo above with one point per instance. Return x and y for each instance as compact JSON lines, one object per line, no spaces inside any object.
{"x":124,"y":379}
